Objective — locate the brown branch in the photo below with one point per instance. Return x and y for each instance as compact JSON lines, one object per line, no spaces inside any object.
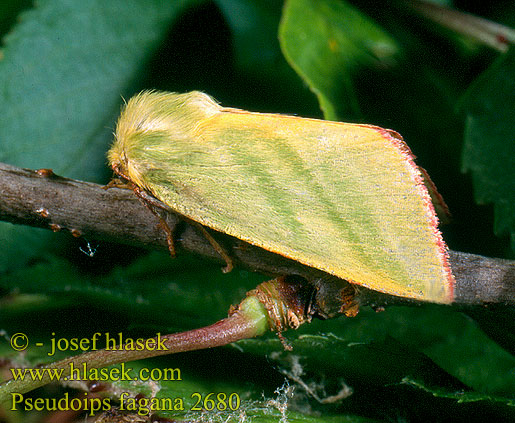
{"x":40,"y":199}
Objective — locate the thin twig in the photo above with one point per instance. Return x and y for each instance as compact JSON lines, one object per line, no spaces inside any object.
{"x":44,"y":200}
{"x":489,"y":33}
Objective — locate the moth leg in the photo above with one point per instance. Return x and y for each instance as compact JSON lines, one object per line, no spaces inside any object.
{"x":169,"y":235}
{"x":122,"y":181}
{"x":286,"y":345}
{"x":217,"y":247}
{"x":150,"y":200}
{"x":118,"y":183}
{"x":153,"y":204}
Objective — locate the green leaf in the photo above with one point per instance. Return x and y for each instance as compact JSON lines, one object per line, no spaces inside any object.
{"x":433,"y":350}
{"x":9,"y":9}
{"x":189,"y":296}
{"x":259,"y":62}
{"x":489,"y":149}
{"x":252,"y":404}
{"x":193,"y":297}
{"x":328,"y":42}
{"x":459,"y":396}
{"x":386,"y":348}
{"x":64,"y":70}
{"x":65,"y":67}
{"x":402,"y":364}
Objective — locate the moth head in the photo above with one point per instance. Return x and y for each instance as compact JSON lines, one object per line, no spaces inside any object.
{"x":128,"y":137}
{"x":151,"y":123}
{"x":118,"y":159}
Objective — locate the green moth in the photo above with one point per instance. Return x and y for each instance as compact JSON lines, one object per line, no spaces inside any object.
{"x":344,"y":198}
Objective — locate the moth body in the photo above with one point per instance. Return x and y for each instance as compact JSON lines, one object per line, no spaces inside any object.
{"x":343,"y":198}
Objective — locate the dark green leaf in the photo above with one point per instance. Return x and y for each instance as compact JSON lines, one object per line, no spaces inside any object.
{"x":270,"y":84}
{"x":489,"y":149}
{"x":64,"y":67}
{"x":328,"y":42}
{"x":407,"y":343}
{"x":64,"y":70}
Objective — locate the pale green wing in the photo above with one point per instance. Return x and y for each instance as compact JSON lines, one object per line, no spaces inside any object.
{"x":346,"y":199}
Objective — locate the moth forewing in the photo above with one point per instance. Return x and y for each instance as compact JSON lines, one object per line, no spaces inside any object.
{"x":343,"y":198}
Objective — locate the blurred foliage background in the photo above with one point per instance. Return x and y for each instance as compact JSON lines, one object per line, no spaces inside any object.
{"x":65,"y":66}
